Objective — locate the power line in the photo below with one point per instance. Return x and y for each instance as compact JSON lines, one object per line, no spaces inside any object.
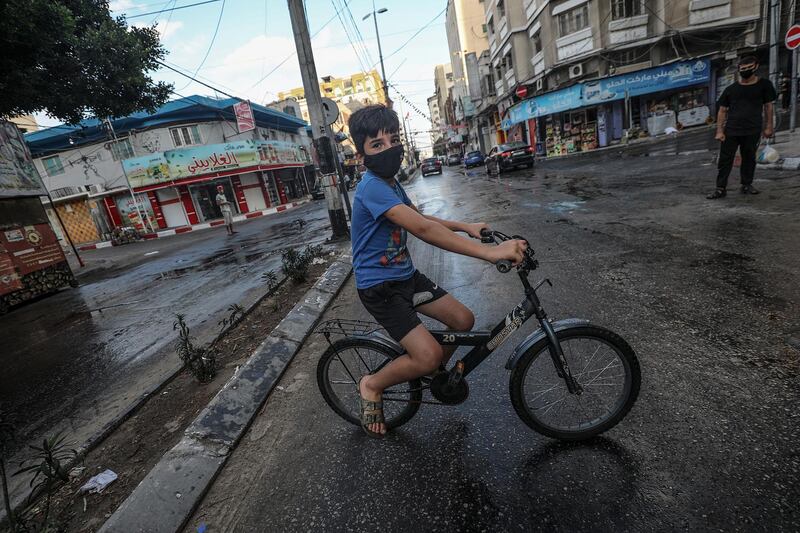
{"x":211,"y":44}
{"x":423,"y":28}
{"x":172,"y":9}
{"x":196,"y":80}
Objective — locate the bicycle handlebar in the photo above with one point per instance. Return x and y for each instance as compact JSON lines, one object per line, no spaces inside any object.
{"x":488,"y":236}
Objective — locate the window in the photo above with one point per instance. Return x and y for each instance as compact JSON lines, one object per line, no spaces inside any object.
{"x":490,"y":26}
{"x":121,"y":149}
{"x":53,"y":166}
{"x":537,"y":42}
{"x":289,"y":110}
{"x":501,"y":8}
{"x":483,"y":27}
{"x":291,"y":136}
{"x":185,"y":136}
{"x":622,"y":9}
{"x":573,"y":20}
{"x":508,"y":61}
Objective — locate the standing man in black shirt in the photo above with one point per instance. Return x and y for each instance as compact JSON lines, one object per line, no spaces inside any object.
{"x":745,"y":114}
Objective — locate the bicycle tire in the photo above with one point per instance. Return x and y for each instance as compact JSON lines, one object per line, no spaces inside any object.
{"x":608,"y":337}
{"x":405,"y":413}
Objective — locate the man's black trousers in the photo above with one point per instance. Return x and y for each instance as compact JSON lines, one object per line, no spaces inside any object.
{"x":747,"y":145}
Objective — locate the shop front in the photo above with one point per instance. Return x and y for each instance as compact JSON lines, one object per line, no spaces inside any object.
{"x":596,"y":113}
{"x":179,"y":187}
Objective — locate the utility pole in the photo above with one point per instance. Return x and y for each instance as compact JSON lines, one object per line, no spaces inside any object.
{"x":321,"y":133}
{"x":127,"y":181}
{"x":374,"y":16}
{"x":775,"y":17}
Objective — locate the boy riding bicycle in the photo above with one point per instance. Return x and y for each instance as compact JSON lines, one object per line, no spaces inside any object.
{"x":389,"y":286}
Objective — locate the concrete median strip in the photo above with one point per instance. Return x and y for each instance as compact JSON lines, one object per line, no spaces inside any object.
{"x":166,"y":497}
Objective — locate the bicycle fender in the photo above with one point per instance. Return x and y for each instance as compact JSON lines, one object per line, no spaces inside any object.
{"x":539,"y":334}
{"x":387,"y":342}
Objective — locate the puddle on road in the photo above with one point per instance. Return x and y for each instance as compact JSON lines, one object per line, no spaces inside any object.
{"x":565,"y":206}
{"x":226,"y":256}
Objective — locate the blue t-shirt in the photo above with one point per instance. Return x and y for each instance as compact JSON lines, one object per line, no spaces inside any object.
{"x":379,"y":246}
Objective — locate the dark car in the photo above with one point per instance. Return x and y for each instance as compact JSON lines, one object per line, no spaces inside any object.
{"x":509,"y":156}
{"x":473,"y":159}
{"x":432,"y":165}
{"x":453,"y":159}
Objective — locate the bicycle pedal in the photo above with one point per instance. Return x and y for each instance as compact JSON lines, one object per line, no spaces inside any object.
{"x":456,"y":374}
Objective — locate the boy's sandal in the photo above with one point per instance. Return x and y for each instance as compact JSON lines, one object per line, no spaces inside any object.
{"x":371,"y":413}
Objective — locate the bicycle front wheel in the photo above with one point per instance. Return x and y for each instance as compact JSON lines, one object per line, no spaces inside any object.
{"x":601,"y":362}
{"x":343,"y":365}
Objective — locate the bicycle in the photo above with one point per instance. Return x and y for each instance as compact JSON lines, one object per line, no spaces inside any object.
{"x":616,"y":378}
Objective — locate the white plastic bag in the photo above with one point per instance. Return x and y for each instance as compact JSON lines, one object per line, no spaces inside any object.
{"x":767,"y":154}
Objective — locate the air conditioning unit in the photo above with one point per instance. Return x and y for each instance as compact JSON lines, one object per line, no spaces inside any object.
{"x":540,"y":84}
{"x":576,"y":70}
{"x":95,"y":188}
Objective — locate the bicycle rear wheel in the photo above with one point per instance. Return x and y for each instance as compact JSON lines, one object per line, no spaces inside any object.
{"x":340,"y":369}
{"x":600,"y":361}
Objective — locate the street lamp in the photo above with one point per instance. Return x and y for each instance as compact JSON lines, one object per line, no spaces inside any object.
{"x":374,"y":15}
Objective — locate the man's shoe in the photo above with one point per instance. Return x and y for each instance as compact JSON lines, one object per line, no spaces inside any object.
{"x":749,"y":189}
{"x":719,"y":193}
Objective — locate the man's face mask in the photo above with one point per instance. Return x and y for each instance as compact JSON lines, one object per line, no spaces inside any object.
{"x":387,"y":163}
{"x":747,"y":71}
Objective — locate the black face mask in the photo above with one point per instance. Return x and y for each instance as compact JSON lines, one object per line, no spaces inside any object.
{"x":747,"y":73}
{"x":385,"y":164}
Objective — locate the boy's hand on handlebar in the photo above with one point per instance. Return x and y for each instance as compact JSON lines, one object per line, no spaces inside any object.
{"x":512,"y":250}
{"x":474,"y":230}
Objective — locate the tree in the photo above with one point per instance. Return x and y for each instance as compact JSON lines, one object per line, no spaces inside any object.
{"x":72,"y":58}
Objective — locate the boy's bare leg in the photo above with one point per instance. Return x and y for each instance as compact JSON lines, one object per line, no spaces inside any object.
{"x":423,"y":355}
{"x":453,"y":314}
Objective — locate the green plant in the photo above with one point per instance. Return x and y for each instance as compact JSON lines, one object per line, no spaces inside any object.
{"x":50,"y":468}
{"x":200,"y":361}
{"x":236,"y":314}
{"x":295,"y":264}
{"x":270,"y":278}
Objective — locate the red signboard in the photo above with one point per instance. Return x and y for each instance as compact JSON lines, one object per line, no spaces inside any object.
{"x":244,"y":117}
{"x":793,"y":37}
{"x":522,"y":91}
{"x":30,"y":248}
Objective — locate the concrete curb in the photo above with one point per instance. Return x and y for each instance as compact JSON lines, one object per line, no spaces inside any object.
{"x":167,"y":496}
{"x":198,"y":227}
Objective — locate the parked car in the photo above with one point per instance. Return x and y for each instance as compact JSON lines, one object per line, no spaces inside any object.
{"x":509,"y":156}
{"x":318,"y":193}
{"x":453,"y":159}
{"x":431,"y":165}
{"x":473,"y":159}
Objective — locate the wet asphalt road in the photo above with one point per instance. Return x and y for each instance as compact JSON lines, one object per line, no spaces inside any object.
{"x":74,"y":360}
{"x":706,"y":293}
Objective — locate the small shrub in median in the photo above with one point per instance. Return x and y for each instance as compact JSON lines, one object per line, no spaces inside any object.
{"x":270,"y":278}
{"x":49,"y":469}
{"x":199,"y":360}
{"x":295,"y":264}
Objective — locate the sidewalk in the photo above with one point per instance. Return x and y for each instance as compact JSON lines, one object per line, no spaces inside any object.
{"x":788,"y":146}
{"x":206,"y":225}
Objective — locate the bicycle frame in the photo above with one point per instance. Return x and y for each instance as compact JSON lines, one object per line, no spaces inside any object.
{"x":487,"y":342}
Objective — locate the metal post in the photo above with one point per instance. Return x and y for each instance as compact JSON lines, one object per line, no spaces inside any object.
{"x":380,"y":55}
{"x":774,"y":16}
{"x":127,"y":181}
{"x":308,"y":72}
{"x":793,"y":108}
{"x":64,"y":228}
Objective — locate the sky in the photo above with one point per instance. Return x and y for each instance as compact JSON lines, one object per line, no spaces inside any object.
{"x":255,"y":36}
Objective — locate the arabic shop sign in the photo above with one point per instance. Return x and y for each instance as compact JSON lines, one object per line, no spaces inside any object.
{"x":200,"y":160}
{"x":546,"y":104}
{"x":663,"y":78}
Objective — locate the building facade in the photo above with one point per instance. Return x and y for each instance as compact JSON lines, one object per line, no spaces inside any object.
{"x":173,"y":159}
{"x":572,"y":75}
{"x":467,"y":38}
